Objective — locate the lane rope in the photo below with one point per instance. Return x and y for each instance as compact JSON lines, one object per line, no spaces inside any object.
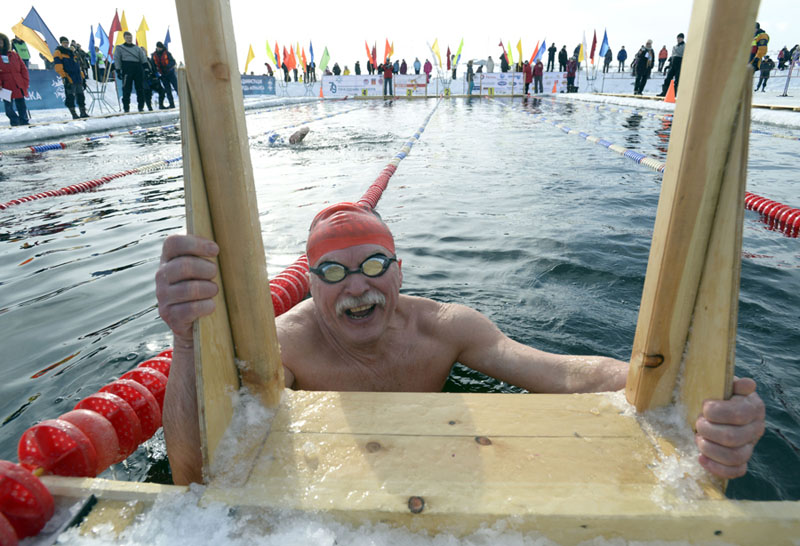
{"x":783,"y":216}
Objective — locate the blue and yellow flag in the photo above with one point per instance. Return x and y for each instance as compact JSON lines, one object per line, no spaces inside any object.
{"x":458,"y":53}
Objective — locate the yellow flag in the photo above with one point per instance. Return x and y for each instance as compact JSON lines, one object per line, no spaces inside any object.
{"x":435,"y":49}
{"x":141,"y":34}
{"x":392,"y":50}
{"x":510,"y":57}
{"x":299,"y":58}
{"x":120,"y":39}
{"x":580,"y":54}
{"x":32,"y":39}
{"x":250,"y":57}
{"x":519,"y":48}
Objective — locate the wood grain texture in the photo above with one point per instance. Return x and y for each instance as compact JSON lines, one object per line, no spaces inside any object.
{"x":216,"y":91}
{"x":707,"y":114}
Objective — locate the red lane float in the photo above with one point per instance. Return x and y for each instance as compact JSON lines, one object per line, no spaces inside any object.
{"x":8,"y":537}
{"x":24,"y":501}
{"x":151,"y":379}
{"x":57,"y":447}
{"x":159,"y":363}
{"x":121,"y":416}
{"x":782,"y":217}
{"x":100,"y":432}
{"x":142,"y":402}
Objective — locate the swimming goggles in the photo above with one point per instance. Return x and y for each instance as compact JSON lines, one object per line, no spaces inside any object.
{"x":333,"y":272}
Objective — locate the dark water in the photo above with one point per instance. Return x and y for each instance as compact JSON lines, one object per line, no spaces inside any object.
{"x":546,"y":234}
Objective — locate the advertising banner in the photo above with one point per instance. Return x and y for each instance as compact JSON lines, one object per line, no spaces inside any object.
{"x":498,"y":83}
{"x":372,"y":86}
{"x":258,"y":85}
{"x":45,"y":90}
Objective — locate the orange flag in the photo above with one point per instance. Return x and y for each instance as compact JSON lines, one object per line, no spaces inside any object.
{"x":387,"y":50}
{"x":290,"y":59}
{"x":305,"y":63}
{"x":535,"y":50}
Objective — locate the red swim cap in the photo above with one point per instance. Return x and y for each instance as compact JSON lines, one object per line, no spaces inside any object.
{"x":344,"y":225}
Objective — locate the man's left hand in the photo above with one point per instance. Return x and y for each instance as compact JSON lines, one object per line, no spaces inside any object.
{"x":728,"y":430}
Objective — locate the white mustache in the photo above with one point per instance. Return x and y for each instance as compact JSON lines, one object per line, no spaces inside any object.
{"x":370,"y":297}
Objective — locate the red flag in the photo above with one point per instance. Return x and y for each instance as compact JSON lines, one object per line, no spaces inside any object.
{"x":286,"y":58}
{"x":386,"y":50}
{"x":115,"y":27}
{"x":291,"y":58}
{"x":448,"y":57}
{"x":501,"y":45}
{"x":535,"y":51}
{"x":594,"y":45}
{"x":277,"y":56}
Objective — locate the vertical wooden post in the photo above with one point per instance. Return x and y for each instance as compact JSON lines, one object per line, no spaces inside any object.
{"x":217,"y":163}
{"x":704,"y":175}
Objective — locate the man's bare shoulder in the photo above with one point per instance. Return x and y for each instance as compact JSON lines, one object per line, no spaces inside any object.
{"x":435,"y":316}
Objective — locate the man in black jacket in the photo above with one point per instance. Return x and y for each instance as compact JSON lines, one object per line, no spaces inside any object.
{"x":563,"y":58}
{"x":131,"y":62}
{"x":551,"y":57}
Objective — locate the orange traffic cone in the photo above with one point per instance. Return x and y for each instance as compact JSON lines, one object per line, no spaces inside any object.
{"x":670,"y":93}
{"x":555,"y":87}
{"x":320,"y":91}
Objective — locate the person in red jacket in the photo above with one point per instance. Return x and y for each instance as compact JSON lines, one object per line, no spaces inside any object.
{"x":387,"y":77}
{"x":662,"y":58}
{"x":538,"y":72}
{"x":528,"y":75}
{"x":14,"y":78}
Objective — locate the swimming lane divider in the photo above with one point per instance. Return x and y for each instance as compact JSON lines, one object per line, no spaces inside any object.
{"x":782,"y":217}
{"x":86,"y":186}
{"x":633,"y":155}
{"x":42,"y":148}
{"x":376,"y":189}
{"x":274,"y":136}
{"x":667,"y":117}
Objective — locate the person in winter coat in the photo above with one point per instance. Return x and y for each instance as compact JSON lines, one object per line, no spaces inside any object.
{"x":14,"y":77}
{"x":563,"y":59}
{"x":387,"y":77}
{"x":551,"y":57}
{"x":357,"y":68}
{"x":662,"y":58}
{"x":130,"y":62}
{"x":504,"y":66}
{"x":151,"y":83}
{"x":783,"y":56}
{"x":538,"y":73}
{"x":527,"y":76}
{"x":403,"y":67}
{"x":607,"y":60}
{"x":644,"y":65}
{"x":470,"y":77}
{"x":336,"y":70}
{"x":417,"y":65}
{"x":675,"y":62}
{"x":759,"y":49}
{"x":489,"y":65}
{"x":19,"y":45}
{"x":572,"y":70}
{"x":68,"y":66}
{"x":766,"y":67}
{"x":165,"y":66}
{"x":427,"y":68}
{"x":622,"y":56}
{"x":346,"y":71}
{"x":396,"y":67}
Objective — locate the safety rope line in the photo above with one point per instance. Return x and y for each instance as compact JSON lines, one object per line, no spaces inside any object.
{"x":86,"y":186}
{"x":781,"y":217}
{"x":633,"y":155}
{"x":273,"y":133}
{"x":665,"y":117}
{"x":784,"y":217}
{"x":376,"y":189}
{"x":41,"y":148}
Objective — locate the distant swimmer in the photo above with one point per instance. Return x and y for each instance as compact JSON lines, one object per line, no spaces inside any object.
{"x":299,"y":135}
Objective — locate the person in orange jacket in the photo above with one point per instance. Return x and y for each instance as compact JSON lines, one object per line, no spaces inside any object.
{"x":68,"y":66}
{"x":662,"y":58}
{"x":528,"y":72}
{"x":13,"y":77}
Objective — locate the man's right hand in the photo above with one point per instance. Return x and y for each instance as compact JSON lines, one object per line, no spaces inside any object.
{"x":184,"y":285}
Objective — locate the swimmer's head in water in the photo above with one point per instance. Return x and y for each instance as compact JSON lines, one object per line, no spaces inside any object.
{"x":344,"y":225}
{"x":298,"y":135}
